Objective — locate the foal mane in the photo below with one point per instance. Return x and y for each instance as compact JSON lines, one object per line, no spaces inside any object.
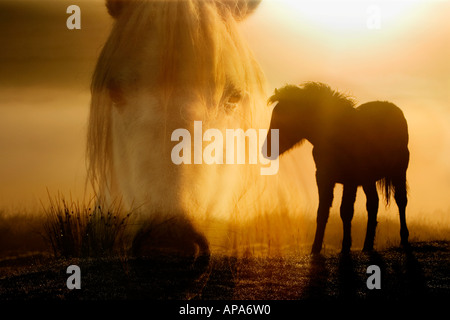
{"x":313,"y":93}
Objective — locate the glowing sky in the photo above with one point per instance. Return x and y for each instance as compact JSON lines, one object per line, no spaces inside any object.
{"x":45,"y":72}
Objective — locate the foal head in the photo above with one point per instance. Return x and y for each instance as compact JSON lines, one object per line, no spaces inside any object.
{"x":305,"y":112}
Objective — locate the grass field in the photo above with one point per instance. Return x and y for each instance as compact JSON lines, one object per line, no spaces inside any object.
{"x":419,"y":273}
{"x":265,"y":258}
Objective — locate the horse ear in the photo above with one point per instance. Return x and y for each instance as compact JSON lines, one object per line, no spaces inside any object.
{"x":115,"y":7}
{"x":240,"y":9}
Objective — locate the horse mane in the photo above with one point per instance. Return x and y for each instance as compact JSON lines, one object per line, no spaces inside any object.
{"x":193,"y":32}
{"x":313,"y":93}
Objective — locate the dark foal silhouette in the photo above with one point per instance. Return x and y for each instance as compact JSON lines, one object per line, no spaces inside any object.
{"x":362,"y":146}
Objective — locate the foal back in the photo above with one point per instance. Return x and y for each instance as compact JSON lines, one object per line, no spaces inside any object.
{"x":383,"y":138}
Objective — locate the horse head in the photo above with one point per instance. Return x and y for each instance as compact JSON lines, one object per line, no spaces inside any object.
{"x":165,"y":65}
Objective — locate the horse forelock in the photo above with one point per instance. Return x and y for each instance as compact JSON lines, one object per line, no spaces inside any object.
{"x":200,"y":50}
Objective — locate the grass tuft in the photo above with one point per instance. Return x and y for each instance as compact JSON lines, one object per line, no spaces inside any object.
{"x":87,"y":230}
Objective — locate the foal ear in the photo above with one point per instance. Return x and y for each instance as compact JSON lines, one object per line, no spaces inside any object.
{"x":240,"y":9}
{"x":115,"y":7}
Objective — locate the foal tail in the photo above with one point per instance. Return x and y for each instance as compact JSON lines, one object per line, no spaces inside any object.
{"x":388,"y":187}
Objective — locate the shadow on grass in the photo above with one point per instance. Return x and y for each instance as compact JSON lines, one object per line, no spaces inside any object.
{"x":419,"y":274}
{"x":344,"y":276}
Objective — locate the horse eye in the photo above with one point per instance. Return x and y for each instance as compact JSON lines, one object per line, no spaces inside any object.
{"x":235,"y":97}
{"x":233,"y":100}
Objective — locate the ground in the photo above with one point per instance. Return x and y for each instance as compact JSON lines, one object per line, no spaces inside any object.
{"x":422,"y":272}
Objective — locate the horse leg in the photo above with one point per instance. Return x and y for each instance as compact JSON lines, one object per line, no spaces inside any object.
{"x":325,"y":188}
{"x":400,"y":195}
{"x":372,"y":209}
{"x":347,"y":210}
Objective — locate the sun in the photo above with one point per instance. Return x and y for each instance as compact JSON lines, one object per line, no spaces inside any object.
{"x":340,"y":16}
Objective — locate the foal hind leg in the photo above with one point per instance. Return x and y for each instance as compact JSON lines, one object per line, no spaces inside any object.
{"x":347,"y":210}
{"x":372,"y":209}
{"x":401,"y":198}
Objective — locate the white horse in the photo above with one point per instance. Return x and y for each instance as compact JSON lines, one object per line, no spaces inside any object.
{"x":165,"y":65}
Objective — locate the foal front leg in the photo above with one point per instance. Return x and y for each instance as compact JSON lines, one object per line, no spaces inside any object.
{"x":325,"y":188}
{"x":347,"y":210}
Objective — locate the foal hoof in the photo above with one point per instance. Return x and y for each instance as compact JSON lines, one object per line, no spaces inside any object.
{"x":346,"y":245}
{"x":367,"y":248}
{"x":405,"y":245}
{"x":404,"y":235}
{"x":316,"y":249}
